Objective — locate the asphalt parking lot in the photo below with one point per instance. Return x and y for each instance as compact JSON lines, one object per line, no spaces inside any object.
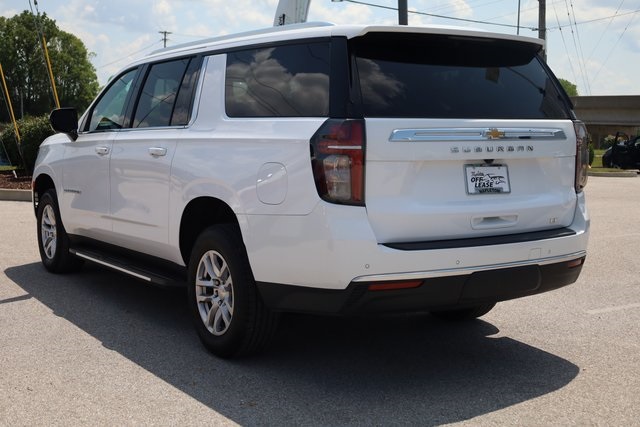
{"x":98,"y":348}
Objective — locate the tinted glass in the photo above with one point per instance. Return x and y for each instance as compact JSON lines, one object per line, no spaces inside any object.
{"x":109,"y":112}
{"x":454,"y":77}
{"x":289,"y":81}
{"x":184,"y":101}
{"x":159,"y":93}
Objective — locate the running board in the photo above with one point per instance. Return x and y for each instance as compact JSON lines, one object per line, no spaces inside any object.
{"x":117,"y":264}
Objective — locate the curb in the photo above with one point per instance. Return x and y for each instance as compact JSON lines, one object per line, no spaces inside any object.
{"x":621,"y":174}
{"x":15,"y":195}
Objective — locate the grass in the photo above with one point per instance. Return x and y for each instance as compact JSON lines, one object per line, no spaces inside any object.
{"x":597,"y":160}
{"x":7,"y":168}
{"x":596,"y":166}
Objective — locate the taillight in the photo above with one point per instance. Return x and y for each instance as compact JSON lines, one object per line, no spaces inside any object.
{"x":337,"y":159}
{"x":582,"y":155}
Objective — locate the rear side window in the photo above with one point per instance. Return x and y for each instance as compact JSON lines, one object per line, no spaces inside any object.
{"x":435,"y":76}
{"x":281,"y":81}
{"x":159,"y":93}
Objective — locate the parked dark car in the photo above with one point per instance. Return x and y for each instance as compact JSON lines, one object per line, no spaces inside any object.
{"x":623,"y":154}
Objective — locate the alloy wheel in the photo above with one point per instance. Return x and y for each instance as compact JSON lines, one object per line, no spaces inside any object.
{"x":48,"y":231}
{"x":214,"y":293}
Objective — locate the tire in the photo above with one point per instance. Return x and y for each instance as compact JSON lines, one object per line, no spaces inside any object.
{"x":462,"y":314}
{"x":53,"y":241}
{"x":228,"y":313}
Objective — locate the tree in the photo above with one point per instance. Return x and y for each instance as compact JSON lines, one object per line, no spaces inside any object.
{"x":26,"y":71}
{"x":570,"y":88}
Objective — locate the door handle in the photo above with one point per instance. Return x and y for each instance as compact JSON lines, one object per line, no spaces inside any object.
{"x":101,"y":150}
{"x":157,"y":151}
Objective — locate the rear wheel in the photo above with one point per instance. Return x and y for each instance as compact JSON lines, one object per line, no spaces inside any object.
{"x":53,"y":242}
{"x":227,"y":311}
{"x":468,"y":313}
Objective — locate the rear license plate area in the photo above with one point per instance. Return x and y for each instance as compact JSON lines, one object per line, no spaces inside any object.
{"x":487,"y":179}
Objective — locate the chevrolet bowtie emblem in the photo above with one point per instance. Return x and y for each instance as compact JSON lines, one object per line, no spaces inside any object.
{"x":494,"y":134}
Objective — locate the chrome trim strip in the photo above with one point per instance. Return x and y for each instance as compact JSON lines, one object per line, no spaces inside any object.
{"x":345,"y":147}
{"x":114,"y":267}
{"x":474,"y":134}
{"x":466,"y":270}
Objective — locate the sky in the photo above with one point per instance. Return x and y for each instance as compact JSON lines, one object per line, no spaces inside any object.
{"x":592,"y":43}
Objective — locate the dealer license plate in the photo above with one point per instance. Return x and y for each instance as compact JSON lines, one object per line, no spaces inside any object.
{"x":487,"y":179}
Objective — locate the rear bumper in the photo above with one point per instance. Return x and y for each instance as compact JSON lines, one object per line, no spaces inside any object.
{"x":446,"y":291}
{"x":334,"y":248}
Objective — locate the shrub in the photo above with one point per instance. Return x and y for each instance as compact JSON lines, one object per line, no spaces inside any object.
{"x":592,"y":154}
{"x":608,"y":141}
{"x":33,"y":130}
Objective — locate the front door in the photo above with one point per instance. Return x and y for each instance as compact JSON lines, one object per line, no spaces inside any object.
{"x":85,"y":181}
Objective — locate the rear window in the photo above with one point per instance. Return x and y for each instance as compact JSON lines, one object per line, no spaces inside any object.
{"x":436,"y":76}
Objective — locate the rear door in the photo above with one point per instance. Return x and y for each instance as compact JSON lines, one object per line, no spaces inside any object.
{"x":140,"y":167}
{"x":466,"y":137}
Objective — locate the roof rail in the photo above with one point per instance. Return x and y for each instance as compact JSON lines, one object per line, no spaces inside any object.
{"x":268,"y":30}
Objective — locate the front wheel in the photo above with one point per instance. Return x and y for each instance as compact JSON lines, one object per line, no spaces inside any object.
{"x":227,"y":311}
{"x":53,"y":242}
{"x":460,"y":314}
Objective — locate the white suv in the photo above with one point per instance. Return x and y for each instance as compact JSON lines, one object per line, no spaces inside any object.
{"x":327,"y":169}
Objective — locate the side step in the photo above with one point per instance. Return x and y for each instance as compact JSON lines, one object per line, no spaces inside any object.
{"x":165,"y":278}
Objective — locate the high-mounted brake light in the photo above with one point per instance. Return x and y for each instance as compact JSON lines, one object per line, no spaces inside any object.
{"x":582,"y":155}
{"x":337,"y":159}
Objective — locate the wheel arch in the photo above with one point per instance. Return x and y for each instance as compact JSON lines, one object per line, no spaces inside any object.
{"x":198,"y":214}
{"x":41,"y":184}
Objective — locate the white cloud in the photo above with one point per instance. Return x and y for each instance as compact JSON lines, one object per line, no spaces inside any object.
{"x":8,"y":13}
{"x":117,"y":30}
{"x":340,"y":13}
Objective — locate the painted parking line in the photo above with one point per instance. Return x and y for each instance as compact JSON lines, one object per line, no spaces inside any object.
{"x":611,"y":309}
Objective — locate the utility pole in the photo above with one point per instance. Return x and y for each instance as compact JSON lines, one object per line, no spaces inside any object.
{"x":518,"y":32}
{"x":403,"y":13}
{"x":542,"y":23}
{"x":164,"y":36}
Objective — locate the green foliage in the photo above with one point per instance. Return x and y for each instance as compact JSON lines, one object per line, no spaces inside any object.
{"x":609,"y":140}
{"x":592,"y":154}
{"x":25,"y":69}
{"x":570,"y":88}
{"x":33,"y":130}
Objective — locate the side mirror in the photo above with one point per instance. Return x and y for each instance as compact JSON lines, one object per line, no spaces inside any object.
{"x":65,"y":120}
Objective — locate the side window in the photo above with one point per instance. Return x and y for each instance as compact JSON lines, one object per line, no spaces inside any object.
{"x":109,"y":112}
{"x":184,"y":101}
{"x":159,"y":94}
{"x":282,"y":81}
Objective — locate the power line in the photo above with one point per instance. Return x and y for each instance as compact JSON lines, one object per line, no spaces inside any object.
{"x":581,"y":52}
{"x":128,"y":55}
{"x":566,"y":49}
{"x":614,"y":47}
{"x":475,"y":21}
{"x":605,"y":31}
{"x":596,"y":19}
{"x":575,"y":45}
